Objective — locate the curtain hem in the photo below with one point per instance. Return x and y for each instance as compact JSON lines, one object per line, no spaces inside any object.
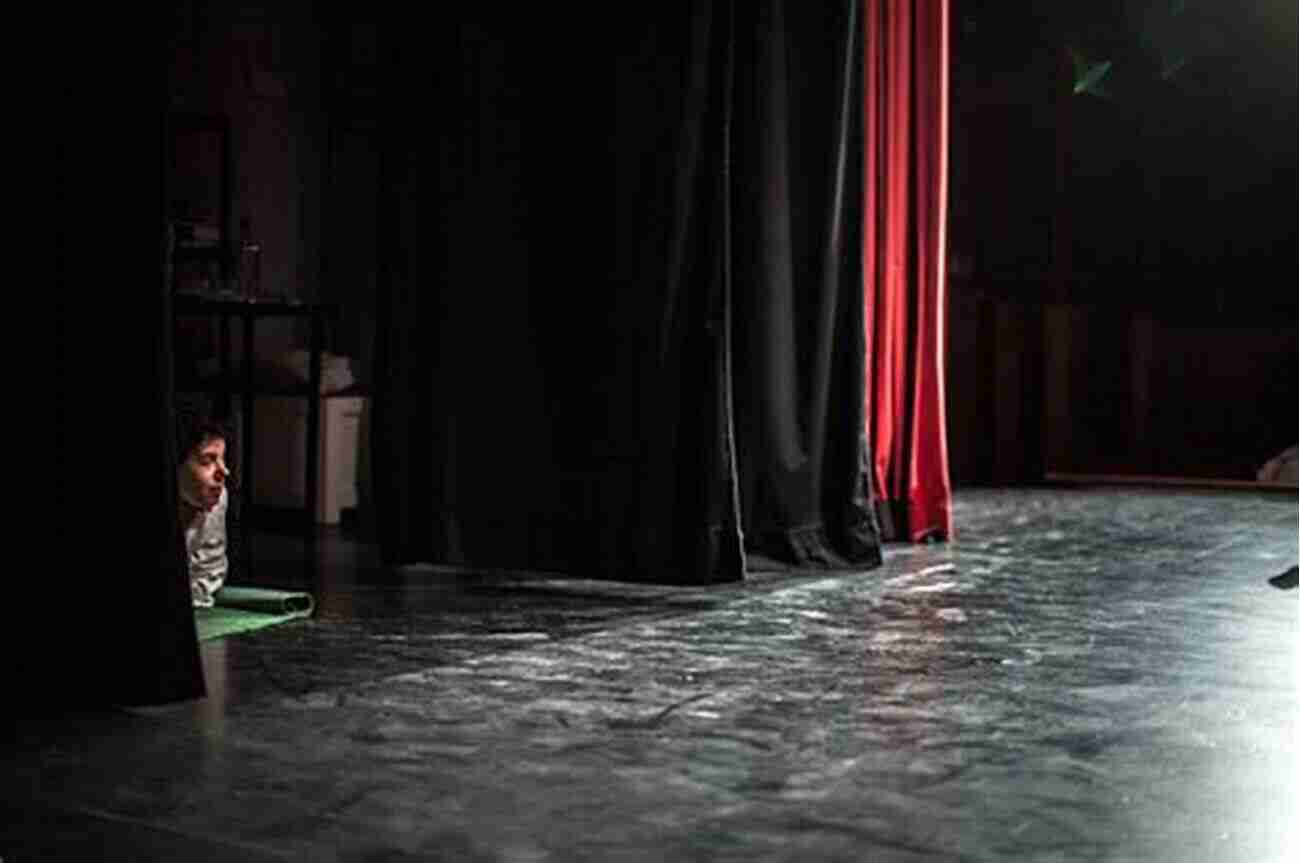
{"x":907,"y":521}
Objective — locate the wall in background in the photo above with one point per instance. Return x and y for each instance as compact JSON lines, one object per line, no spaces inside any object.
{"x":260,"y":66}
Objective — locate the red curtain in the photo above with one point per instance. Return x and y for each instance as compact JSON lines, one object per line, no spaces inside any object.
{"x":906,"y":188}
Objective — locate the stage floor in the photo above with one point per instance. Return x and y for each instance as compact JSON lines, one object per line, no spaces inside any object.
{"x":1099,"y":674}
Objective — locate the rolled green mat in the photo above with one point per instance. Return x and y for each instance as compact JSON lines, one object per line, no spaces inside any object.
{"x":265,"y":600}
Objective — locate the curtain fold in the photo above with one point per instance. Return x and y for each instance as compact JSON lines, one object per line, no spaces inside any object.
{"x":626,"y":338}
{"x":904,"y":253}
{"x":400,"y":427}
{"x":798,"y":300}
{"x":555,"y":316}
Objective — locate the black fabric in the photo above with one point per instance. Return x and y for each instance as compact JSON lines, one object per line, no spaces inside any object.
{"x":576,"y":319}
{"x":112,"y":585}
{"x":800,"y":344}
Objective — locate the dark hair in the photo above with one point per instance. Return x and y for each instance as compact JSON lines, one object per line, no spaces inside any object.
{"x":194,"y":427}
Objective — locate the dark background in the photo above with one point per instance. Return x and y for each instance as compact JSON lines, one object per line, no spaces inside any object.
{"x":1123,"y":269}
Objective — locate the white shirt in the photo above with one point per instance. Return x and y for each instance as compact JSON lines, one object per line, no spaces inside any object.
{"x":205,"y":547}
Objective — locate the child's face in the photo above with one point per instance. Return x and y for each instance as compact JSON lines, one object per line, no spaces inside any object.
{"x":203,"y":475}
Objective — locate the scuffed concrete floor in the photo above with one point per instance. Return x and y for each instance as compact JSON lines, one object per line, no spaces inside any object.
{"x":1081,"y":675}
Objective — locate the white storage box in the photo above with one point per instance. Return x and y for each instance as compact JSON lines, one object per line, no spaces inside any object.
{"x":280,"y":435}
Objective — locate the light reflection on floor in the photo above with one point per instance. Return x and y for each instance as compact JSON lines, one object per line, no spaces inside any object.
{"x":1085,"y":675}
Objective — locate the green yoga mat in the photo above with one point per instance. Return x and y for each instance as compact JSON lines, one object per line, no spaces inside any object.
{"x":244,"y":609}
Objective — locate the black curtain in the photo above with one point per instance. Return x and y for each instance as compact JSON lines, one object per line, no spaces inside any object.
{"x":112,"y":583}
{"x":799,"y":304}
{"x":617,"y":329}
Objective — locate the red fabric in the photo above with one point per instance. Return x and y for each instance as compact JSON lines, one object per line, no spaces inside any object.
{"x":904,"y":242}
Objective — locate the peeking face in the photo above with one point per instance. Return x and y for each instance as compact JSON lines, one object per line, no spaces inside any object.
{"x":203,"y":475}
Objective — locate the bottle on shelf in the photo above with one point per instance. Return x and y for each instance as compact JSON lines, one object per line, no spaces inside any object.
{"x":250,"y":263}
